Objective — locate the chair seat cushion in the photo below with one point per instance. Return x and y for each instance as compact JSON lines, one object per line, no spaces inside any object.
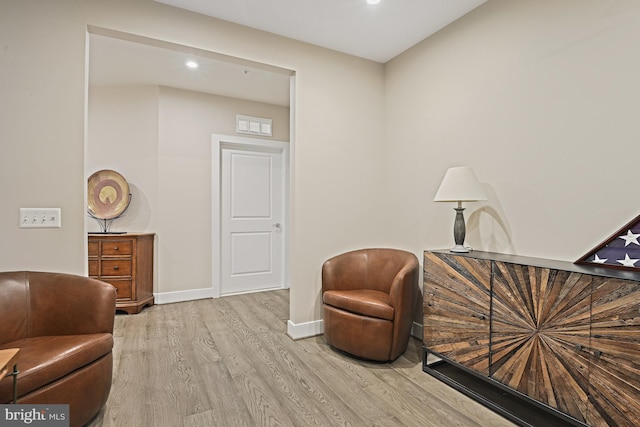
{"x":43,"y":360}
{"x":365,"y":302}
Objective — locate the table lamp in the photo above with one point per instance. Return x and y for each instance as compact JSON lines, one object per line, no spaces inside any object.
{"x":459,"y":185}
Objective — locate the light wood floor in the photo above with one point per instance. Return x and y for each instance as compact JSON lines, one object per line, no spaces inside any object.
{"x":229,"y":362}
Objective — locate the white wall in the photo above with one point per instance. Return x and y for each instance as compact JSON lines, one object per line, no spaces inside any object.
{"x":338,"y":153}
{"x":540,"y":98}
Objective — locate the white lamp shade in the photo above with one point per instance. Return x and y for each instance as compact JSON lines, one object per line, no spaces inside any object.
{"x":459,"y":185}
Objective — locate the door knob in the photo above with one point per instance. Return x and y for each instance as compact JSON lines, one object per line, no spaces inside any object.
{"x":277,"y":225}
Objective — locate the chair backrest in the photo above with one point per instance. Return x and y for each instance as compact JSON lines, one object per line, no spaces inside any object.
{"x":366,"y":269}
{"x":14,"y":302}
{"x":41,"y":303}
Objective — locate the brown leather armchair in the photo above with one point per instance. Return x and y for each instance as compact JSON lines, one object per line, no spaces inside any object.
{"x":63,"y":325}
{"x":368,"y":298}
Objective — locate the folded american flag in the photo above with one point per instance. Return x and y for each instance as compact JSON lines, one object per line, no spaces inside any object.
{"x":621,"y":250}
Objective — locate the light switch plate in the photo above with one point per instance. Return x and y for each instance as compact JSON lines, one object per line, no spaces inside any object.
{"x":40,"y":218}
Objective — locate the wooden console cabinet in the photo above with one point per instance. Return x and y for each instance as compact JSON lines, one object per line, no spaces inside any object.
{"x":562,"y":338}
{"x":125,"y":261}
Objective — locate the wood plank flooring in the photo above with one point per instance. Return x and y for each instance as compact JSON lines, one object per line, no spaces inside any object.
{"x":229,"y":362}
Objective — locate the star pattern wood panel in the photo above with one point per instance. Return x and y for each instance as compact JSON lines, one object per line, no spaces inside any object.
{"x":565,"y":336}
{"x":457,"y":294}
{"x":614,"y":395}
{"x":540,"y":321}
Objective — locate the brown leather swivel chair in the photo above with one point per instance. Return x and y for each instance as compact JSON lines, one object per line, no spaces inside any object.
{"x":63,"y":326}
{"x":368,"y":298}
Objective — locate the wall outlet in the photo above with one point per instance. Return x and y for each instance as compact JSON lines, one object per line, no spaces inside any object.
{"x":40,"y":218}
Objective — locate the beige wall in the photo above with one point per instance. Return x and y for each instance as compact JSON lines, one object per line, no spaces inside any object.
{"x":41,"y":133}
{"x":537,"y":96}
{"x":540,"y":98}
{"x":122,"y":134}
{"x":187,"y":122}
{"x":337,"y":158}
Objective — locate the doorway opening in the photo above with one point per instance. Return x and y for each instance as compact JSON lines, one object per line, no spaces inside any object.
{"x":158,"y":126}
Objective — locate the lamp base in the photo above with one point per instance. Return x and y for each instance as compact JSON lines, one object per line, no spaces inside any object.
{"x":459,"y":249}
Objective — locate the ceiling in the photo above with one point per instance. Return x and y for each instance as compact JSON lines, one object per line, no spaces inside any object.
{"x":376,"y":32}
{"x":116,"y":59}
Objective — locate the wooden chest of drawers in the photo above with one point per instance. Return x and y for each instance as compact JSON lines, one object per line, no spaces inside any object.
{"x":125,"y":261}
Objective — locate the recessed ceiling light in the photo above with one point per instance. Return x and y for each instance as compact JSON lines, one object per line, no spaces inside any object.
{"x":373,"y":1}
{"x":192,"y":64}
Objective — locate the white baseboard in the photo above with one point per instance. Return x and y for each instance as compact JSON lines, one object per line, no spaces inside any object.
{"x":310,"y":329}
{"x":305,"y":330}
{"x":417,"y":330}
{"x":182,"y":296}
{"x":295,"y":331}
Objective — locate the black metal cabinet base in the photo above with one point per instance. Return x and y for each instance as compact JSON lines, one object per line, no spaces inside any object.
{"x":517,"y":408}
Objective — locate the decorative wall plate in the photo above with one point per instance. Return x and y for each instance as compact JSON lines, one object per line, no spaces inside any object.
{"x":107,"y":194}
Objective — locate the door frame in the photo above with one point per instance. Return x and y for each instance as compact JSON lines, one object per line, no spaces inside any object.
{"x":222,"y":142}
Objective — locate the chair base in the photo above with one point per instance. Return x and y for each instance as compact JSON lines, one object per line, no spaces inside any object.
{"x":353,"y":356}
{"x":364,"y":337}
{"x":85,"y":391}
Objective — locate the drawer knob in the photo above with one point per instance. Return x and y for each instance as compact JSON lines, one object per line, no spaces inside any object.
{"x":116,"y":267}
{"x":115,"y":248}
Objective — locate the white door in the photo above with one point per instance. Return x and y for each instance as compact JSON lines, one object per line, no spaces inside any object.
{"x":251,"y":220}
